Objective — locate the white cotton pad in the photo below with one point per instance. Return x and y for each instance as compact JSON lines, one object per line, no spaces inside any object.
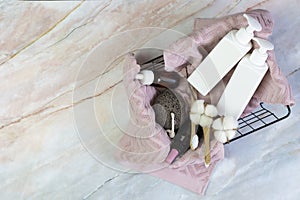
{"x":205,"y":121}
{"x":230,"y":134}
{"x":198,"y":107}
{"x":218,"y":124}
{"x":195,"y":118}
{"x":220,"y":136}
{"x":211,"y":110}
{"x":229,"y":123}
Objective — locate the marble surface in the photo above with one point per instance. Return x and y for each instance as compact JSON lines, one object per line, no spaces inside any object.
{"x":63,"y":105}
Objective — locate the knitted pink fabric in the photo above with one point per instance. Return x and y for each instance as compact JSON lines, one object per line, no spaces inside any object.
{"x":145,"y":144}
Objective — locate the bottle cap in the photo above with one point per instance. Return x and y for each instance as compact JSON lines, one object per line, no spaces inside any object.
{"x":146,"y":77}
{"x":245,"y":34}
{"x":259,"y":56}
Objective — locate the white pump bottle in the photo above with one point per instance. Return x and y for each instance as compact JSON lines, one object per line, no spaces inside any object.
{"x":224,"y":57}
{"x":245,"y":80}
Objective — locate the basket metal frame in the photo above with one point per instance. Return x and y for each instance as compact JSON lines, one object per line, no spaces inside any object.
{"x":248,"y":124}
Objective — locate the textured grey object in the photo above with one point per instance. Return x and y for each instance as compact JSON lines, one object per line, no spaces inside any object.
{"x":164,"y":104}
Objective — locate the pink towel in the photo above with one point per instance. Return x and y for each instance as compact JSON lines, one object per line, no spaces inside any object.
{"x":274,"y":88}
{"x":145,"y":144}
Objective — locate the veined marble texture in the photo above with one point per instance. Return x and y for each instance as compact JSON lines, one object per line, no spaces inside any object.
{"x":60,"y":73}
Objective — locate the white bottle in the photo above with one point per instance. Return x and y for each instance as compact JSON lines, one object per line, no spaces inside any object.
{"x":159,"y":78}
{"x":224,"y":57}
{"x":245,"y":80}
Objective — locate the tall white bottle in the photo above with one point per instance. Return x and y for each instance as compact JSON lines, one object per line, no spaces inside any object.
{"x":245,"y":80}
{"x":223,"y":57}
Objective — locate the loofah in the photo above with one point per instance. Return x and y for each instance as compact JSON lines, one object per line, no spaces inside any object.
{"x":163,"y":105}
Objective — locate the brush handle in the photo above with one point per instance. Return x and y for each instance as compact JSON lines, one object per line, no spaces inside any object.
{"x":193,"y":125}
{"x":193,"y":133}
{"x":206,"y":134}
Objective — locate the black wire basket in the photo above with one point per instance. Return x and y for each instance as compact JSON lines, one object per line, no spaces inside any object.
{"x":265,"y":115}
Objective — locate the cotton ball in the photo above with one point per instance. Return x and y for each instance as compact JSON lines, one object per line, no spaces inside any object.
{"x":218,"y":124}
{"x":195,"y":118}
{"x":198,"y":107}
{"x":194,"y":142}
{"x":205,"y":121}
{"x":229,"y":123}
{"x":211,"y":110}
{"x":220,"y":136}
{"x":230,"y":134}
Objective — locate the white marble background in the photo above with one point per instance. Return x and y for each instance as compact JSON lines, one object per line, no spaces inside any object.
{"x":49,"y":142}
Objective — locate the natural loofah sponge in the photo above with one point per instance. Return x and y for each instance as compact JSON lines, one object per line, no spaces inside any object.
{"x":166,"y":103}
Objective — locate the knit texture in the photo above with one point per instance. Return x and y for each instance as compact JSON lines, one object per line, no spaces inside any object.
{"x":145,"y":144}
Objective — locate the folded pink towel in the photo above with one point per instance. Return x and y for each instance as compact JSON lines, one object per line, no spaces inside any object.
{"x":145,"y":145}
{"x":274,"y":88}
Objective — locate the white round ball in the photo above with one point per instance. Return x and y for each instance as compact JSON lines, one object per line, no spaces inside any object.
{"x":229,"y":123}
{"x":198,"y":107}
{"x":205,"y":121}
{"x":230,"y":134}
{"x":218,"y":124}
{"x":220,"y":136}
{"x":211,"y":110}
{"x":195,"y":118}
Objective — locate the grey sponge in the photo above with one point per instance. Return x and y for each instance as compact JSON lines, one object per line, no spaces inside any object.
{"x":163,"y":104}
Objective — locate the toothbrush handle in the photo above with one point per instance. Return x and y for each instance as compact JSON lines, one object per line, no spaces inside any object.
{"x":206,"y":134}
{"x":193,"y":130}
{"x":193,"y":133}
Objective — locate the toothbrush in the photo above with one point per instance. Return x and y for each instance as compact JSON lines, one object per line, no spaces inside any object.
{"x":210,"y":112}
{"x":203,"y":114}
{"x":194,"y":142}
{"x":207,"y":158}
{"x":194,"y":138}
